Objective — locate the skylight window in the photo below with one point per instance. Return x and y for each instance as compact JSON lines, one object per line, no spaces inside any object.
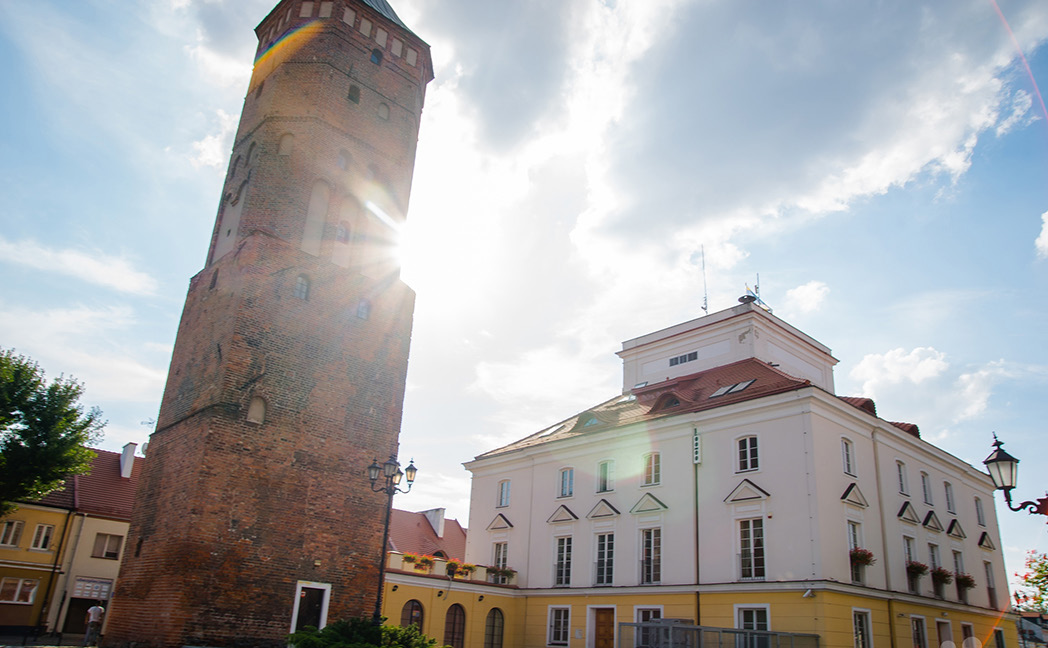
{"x":733,"y":389}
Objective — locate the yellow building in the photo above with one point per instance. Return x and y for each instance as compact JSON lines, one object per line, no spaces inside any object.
{"x":60,"y":555}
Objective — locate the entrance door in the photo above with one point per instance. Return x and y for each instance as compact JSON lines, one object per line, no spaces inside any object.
{"x":945,"y":633}
{"x":77,"y":611}
{"x":605,"y":628}
{"x":311,"y":601}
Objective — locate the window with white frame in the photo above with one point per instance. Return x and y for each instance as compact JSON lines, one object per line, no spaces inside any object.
{"x":751,"y":618}
{"x":748,"y":454}
{"x":651,"y":556}
{"x":559,"y":626}
{"x":855,"y":542}
{"x":991,"y":589}
{"x":566,"y":486}
{"x":948,"y":487}
{"x":647,"y":636}
{"x":848,"y":457}
{"x":998,"y":638}
{"x":904,"y":485}
{"x":503,"y":494}
{"x":18,"y":590}
{"x":606,"y":476}
{"x":926,"y":488}
{"x":107,"y":546}
{"x":918,"y":632}
{"x":605,"y":565}
{"x":909,"y":547}
{"x":562,"y":566}
{"x":42,"y":536}
{"x":933,"y":555}
{"x":11,"y":532}
{"x":980,"y":515}
{"x":861,"y":629}
{"x":652,"y":469}
{"x":958,"y":562}
{"x":500,"y":559}
{"x":751,"y":546}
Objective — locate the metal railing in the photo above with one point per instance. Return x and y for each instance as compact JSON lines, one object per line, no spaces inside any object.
{"x":667,"y":634}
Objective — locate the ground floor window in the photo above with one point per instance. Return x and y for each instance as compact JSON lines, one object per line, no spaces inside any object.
{"x":493,"y":628}
{"x":861,"y":628}
{"x":411,"y":614}
{"x":647,"y":636}
{"x":920,"y":636}
{"x":559,"y":626}
{"x":18,"y":590}
{"x":455,"y":626}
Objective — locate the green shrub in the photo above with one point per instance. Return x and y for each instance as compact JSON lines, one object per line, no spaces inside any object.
{"x":360,"y":633}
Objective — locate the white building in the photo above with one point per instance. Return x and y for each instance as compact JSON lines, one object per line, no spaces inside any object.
{"x":728,"y":485}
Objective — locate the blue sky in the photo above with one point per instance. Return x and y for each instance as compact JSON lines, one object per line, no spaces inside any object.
{"x":883,"y":166}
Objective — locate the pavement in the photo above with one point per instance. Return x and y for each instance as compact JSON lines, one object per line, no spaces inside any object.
{"x":43,"y":641}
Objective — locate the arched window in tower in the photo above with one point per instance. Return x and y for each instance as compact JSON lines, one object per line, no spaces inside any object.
{"x":229,"y":222}
{"x":256,"y":410}
{"x":383,"y":111}
{"x":316,"y":215}
{"x":251,"y":154}
{"x":376,"y":56}
{"x":287,"y":143}
{"x":343,"y":159}
{"x":354,"y":94}
{"x":342,"y":233}
{"x":364,"y":309}
{"x":236,"y":165}
{"x":302,"y":287}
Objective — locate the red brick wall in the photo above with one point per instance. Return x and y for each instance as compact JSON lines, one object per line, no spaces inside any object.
{"x":232,"y":514}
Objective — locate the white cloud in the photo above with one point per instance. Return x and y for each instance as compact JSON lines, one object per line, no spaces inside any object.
{"x":898,"y":366}
{"x":1020,"y":114}
{"x":213,"y":150}
{"x":95,"y":267}
{"x":806,"y":298}
{"x":218,"y":69}
{"x":974,"y":388}
{"x":1041,"y":244}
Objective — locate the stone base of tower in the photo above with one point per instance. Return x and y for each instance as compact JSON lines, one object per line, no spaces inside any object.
{"x":238,"y":518}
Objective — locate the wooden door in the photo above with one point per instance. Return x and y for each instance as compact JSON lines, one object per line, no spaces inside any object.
{"x":605,"y":628}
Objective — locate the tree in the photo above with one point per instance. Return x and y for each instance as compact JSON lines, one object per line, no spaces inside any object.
{"x":44,"y":431}
{"x":1034,"y":597}
{"x":360,"y":633}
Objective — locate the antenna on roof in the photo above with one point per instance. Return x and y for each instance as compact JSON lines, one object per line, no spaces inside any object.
{"x":754,"y":296}
{"x":705,"y":292}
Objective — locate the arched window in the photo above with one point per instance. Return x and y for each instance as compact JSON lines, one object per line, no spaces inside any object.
{"x":411,"y":614}
{"x":383,"y":111}
{"x":455,"y":626}
{"x":493,"y":629}
{"x":316,"y":216}
{"x":343,"y":159}
{"x":364,"y":309}
{"x":287,"y":142}
{"x":236,"y":164}
{"x":256,"y":410}
{"x":251,"y":154}
{"x":342,"y":232}
{"x":302,"y":287}
{"x":376,"y":56}
{"x":354,"y":94}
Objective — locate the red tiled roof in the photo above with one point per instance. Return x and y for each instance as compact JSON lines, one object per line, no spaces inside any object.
{"x":692,"y":393}
{"x":910,"y":428}
{"x":102,"y":492}
{"x":863,"y":403}
{"x":412,"y":533}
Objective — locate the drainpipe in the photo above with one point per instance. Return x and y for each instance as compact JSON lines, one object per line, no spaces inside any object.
{"x":696,"y":449}
{"x":54,"y":568}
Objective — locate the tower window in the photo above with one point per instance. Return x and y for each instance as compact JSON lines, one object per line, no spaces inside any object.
{"x":364,"y":309}
{"x":258,"y":90}
{"x":343,"y":160}
{"x":380,"y":37}
{"x":411,"y":57}
{"x":365,"y":26}
{"x":302,"y":287}
{"x":342,"y":232}
{"x":354,"y":93}
{"x":397,"y":47}
{"x":383,"y":111}
{"x":349,"y":16}
{"x":256,"y":410}
{"x":325,"y":9}
{"x":287,"y":143}
{"x":306,"y":11}
{"x":376,"y":56}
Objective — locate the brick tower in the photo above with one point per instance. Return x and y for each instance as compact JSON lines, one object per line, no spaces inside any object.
{"x":254,"y":514}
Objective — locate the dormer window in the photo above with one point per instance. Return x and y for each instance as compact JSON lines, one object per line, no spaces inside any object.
{"x":733,"y":389}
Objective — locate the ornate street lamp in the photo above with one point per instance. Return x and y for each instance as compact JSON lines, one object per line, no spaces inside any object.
{"x":385,"y":478}
{"x":1004,"y":471}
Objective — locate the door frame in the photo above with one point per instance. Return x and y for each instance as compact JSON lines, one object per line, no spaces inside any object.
{"x":301,"y":585}
{"x":591,"y":624}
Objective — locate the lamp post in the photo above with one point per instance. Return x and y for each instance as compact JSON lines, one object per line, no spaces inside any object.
{"x":1004,"y":471}
{"x":385,"y":478}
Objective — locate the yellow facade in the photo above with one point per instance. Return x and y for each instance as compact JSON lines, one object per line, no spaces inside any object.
{"x":30,"y":563}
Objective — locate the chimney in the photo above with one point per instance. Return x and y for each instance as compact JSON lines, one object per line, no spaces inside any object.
{"x":436,"y":520}
{"x":127,"y":460}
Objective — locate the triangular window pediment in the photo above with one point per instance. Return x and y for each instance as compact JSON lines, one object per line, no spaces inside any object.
{"x":852,"y":495}
{"x":648,"y":504}
{"x":603,"y":509}
{"x":747,"y":491}
{"x":500,"y":522}
{"x":985,"y":542}
{"x":931,"y":522}
{"x":908,"y":514}
{"x":955,"y":530}
{"x":562,"y":514}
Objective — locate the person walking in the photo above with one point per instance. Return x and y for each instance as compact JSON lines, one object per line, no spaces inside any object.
{"x":94,"y":623}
